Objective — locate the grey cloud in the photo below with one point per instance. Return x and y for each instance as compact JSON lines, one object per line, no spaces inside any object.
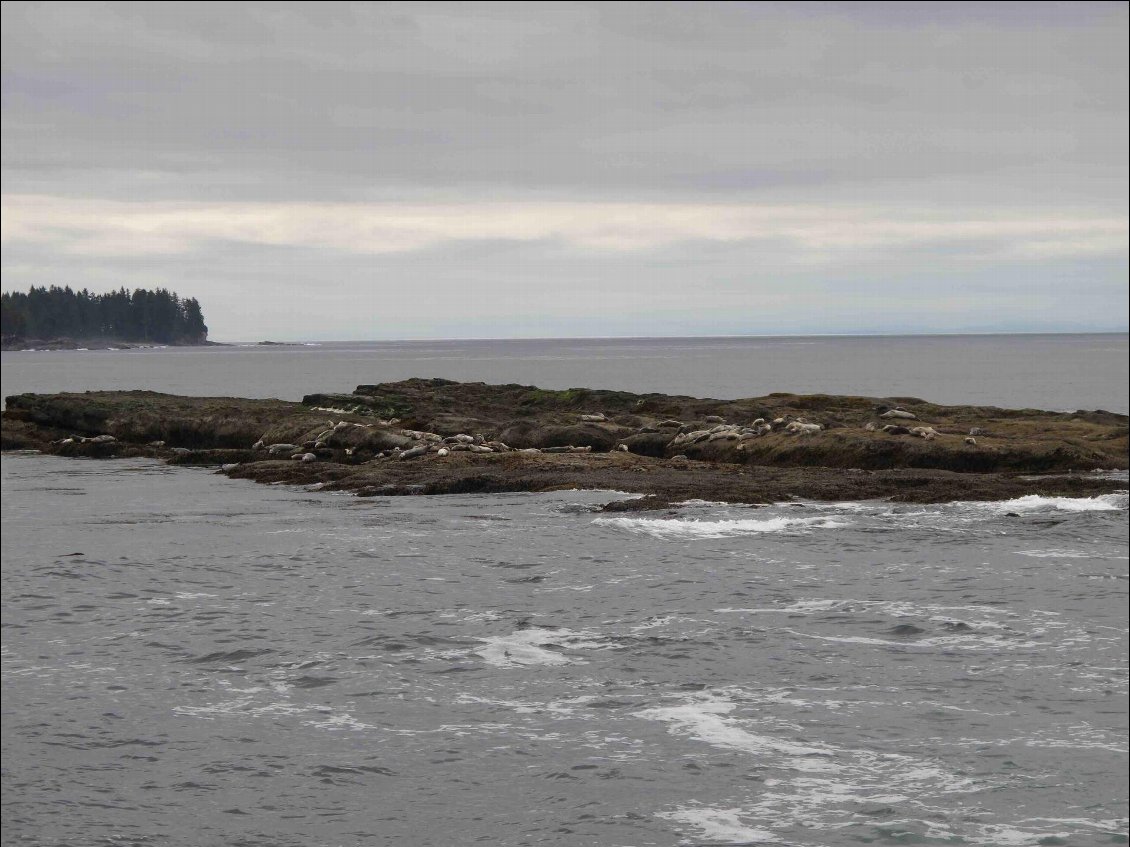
{"x":587,"y":99}
{"x":958,"y":110}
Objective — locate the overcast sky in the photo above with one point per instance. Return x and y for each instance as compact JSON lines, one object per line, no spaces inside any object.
{"x":320,"y":171}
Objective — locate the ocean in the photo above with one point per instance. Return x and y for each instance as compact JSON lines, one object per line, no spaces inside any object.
{"x":1060,"y":372}
{"x":194,"y":660}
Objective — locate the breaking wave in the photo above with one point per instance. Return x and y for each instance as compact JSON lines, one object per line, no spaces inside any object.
{"x":676,"y":528}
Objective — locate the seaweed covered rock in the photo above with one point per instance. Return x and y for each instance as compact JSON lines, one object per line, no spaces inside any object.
{"x":438,"y":436}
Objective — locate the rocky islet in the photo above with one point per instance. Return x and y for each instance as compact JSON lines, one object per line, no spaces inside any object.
{"x":433,"y":436}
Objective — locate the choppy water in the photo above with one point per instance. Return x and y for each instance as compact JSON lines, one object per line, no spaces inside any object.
{"x":193,"y":660}
{"x":1060,"y":372}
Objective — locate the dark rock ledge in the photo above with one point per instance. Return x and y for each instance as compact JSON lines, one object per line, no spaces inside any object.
{"x":424,"y":436}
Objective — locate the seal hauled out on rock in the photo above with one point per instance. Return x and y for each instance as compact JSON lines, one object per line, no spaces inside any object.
{"x":895,"y":429}
{"x":803,"y":428}
{"x":899,"y":413}
{"x":414,"y":452}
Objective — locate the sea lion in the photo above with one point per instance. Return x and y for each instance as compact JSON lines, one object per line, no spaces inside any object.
{"x":714,"y":419}
{"x":971,"y":441}
{"x":414,"y":452}
{"x":899,"y":413}
{"x":895,"y":429}
{"x":596,"y":418}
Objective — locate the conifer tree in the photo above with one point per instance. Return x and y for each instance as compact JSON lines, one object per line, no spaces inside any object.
{"x":159,"y":316}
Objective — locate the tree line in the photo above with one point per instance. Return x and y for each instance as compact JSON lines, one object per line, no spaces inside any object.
{"x":141,"y":315}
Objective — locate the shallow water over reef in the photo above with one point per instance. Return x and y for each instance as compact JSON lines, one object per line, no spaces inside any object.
{"x":193,"y":660}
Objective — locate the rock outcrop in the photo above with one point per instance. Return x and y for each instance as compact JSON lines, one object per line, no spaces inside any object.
{"x":438,"y":436}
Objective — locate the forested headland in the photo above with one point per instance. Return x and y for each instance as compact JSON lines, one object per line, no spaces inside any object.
{"x":61,"y":314}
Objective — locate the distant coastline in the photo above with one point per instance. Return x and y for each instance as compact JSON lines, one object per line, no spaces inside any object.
{"x":427,"y":339}
{"x":16,"y":343}
{"x":57,"y":318}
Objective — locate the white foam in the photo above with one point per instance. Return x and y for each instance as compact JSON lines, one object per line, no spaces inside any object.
{"x":704,"y":720}
{"x":965,"y":641}
{"x":1035,"y":503}
{"x":897,"y":609}
{"x":1055,"y":554}
{"x":527,"y":647}
{"x":718,"y":825}
{"x":800,"y":607}
{"x":815,"y":786}
{"x":339,"y":723}
{"x":675,"y":528}
{"x":556,"y":708}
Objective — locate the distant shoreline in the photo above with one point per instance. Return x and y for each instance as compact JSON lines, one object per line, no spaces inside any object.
{"x":17,"y":344}
{"x":11,"y":344}
{"x":832,"y":335}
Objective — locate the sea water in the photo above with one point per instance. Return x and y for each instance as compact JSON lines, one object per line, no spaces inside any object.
{"x":189,"y":659}
{"x":1059,"y":372}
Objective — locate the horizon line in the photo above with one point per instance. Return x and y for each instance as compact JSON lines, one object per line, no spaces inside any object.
{"x":906,"y":334}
